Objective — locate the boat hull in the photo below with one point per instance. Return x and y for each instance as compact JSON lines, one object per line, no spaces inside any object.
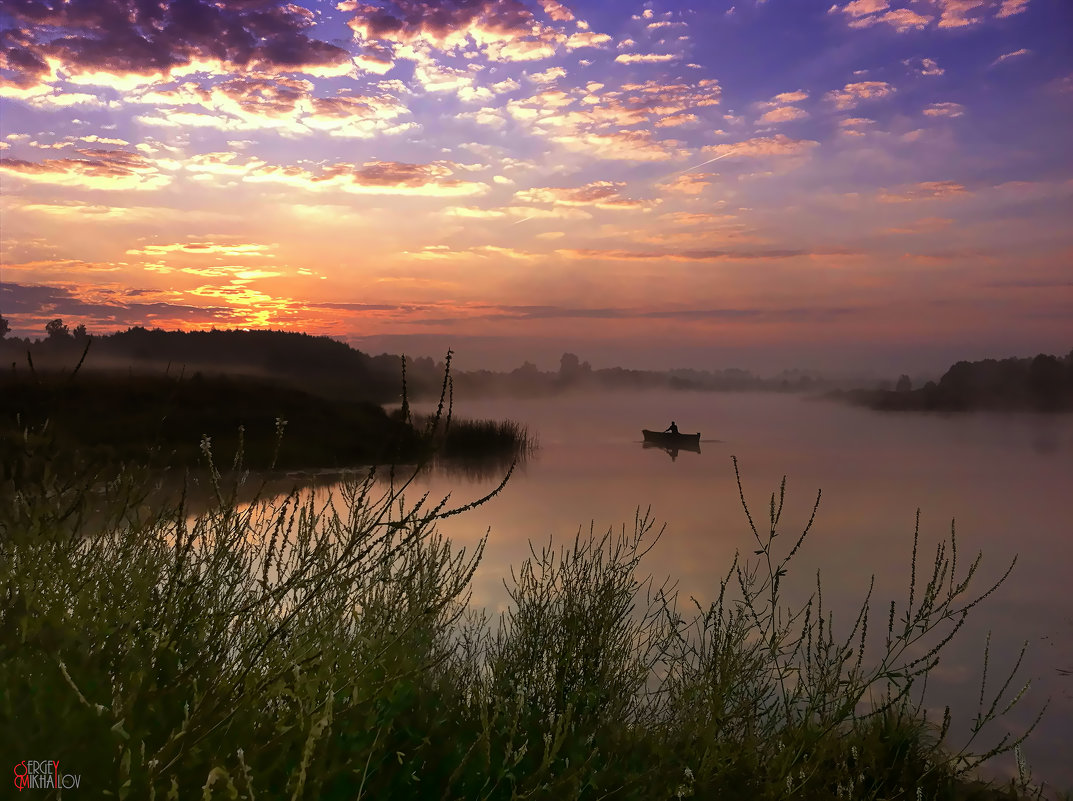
{"x":668,"y":440}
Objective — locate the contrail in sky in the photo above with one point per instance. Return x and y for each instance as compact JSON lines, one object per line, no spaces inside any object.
{"x":709,"y":161}
{"x":518,"y":222}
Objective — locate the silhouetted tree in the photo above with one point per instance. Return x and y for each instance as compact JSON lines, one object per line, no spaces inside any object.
{"x":57,"y":330}
{"x":4,"y":327}
{"x":571,"y":369}
{"x":904,"y":384}
{"x":80,"y":331}
{"x":569,"y":365}
{"x":1046,"y":379}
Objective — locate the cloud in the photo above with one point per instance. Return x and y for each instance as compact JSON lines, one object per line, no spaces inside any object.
{"x":473,"y":212}
{"x":923,"y":225}
{"x":851,"y":126}
{"x":904,"y":19}
{"x":549,"y":75}
{"x":692,"y":255}
{"x":201,"y":249}
{"x":97,"y":169}
{"x":1013,"y":54}
{"x":107,"y":306}
{"x":866,"y":13}
{"x":790,"y":97}
{"x":688,"y":183}
{"x":284,"y":104}
{"x":944,"y":110}
{"x":927,"y":190}
{"x":644,"y":58}
{"x":503,"y":29}
{"x":859,"y":8}
{"x":117,"y":42}
{"x":678,"y":119}
{"x":586,"y":39}
{"x":486,"y":116}
{"x":600,"y":194}
{"x":927,"y":67}
{"x":556,"y":10}
{"x":433,"y":179}
{"x":1011,"y":7}
{"x":783,"y":114}
{"x":623,"y":145}
{"x":592,"y":118}
{"x":698,"y":218}
{"x":759,"y":147}
{"x":853,"y":93}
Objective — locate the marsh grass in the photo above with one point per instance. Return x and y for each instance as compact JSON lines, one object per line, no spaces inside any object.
{"x":322,"y":647}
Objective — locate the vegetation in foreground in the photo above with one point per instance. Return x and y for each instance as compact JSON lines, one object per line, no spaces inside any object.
{"x":321,"y":648}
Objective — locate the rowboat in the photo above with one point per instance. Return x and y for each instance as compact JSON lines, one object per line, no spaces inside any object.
{"x":668,"y":440}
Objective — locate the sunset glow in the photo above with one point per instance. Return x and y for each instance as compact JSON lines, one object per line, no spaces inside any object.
{"x":771,"y":183}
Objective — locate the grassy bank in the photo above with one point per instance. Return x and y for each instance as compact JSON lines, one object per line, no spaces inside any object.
{"x":161,"y":420}
{"x":307,"y":647}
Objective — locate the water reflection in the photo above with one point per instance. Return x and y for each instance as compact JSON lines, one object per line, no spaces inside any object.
{"x":1003,"y":477}
{"x":672,"y":450}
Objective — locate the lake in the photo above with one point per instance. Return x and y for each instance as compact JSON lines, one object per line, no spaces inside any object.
{"x":1006,"y":479}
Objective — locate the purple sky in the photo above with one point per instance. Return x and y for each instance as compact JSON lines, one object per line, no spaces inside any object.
{"x":768,"y":184}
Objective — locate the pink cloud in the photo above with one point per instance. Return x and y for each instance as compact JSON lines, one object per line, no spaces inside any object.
{"x":853,"y":93}
{"x":645,"y":58}
{"x":778,"y":145}
{"x":927,"y":190}
{"x":783,"y":114}
{"x":97,"y":169}
{"x":600,"y":194}
{"x":944,"y":110}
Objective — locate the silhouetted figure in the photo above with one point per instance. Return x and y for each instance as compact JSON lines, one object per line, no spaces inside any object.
{"x":672,"y":428}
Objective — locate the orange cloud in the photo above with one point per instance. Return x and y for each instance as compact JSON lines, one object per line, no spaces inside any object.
{"x":284,"y":104}
{"x":679,"y":119}
{"x":556,"y":10}
{"x":783,"y":114}
{"x":201,"y":249}
{"x":370,"y":178}
{"x":98,"y":169}
{"x":688,"y":255}
{"x":927,"y":190}
{"x":623,"y":145}
{"x":1014,"y":54}
{"x":944,"y":110}
{"x":853,"y":93}
{"x":586,"y":39}
{"x":1011,"y":7}
{"x":644,"y":58}
{"x":689,"y":183}
{"x":601,"y":194}
{"x":778,"y":145}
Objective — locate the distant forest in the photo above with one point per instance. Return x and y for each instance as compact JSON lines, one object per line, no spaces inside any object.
{"x":333,"y":369}
{"x":328,"y":368}
{"x":1043,"y":383}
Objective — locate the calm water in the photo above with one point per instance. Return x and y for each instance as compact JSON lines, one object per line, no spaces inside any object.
{"x":1005,"y":478}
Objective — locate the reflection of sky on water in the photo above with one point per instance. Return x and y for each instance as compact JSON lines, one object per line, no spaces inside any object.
{"x":1003,"y":477}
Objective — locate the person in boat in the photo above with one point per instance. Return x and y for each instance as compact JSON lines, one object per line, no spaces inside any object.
{"x":672,"y":429}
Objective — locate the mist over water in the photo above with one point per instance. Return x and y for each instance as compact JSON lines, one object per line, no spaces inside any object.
{"x":1003,"y":477}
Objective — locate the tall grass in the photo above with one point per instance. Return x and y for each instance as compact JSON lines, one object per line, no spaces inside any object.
{"x":322,"y":648}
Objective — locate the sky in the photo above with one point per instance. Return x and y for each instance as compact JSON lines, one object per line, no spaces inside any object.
{"x":766,"y":184}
